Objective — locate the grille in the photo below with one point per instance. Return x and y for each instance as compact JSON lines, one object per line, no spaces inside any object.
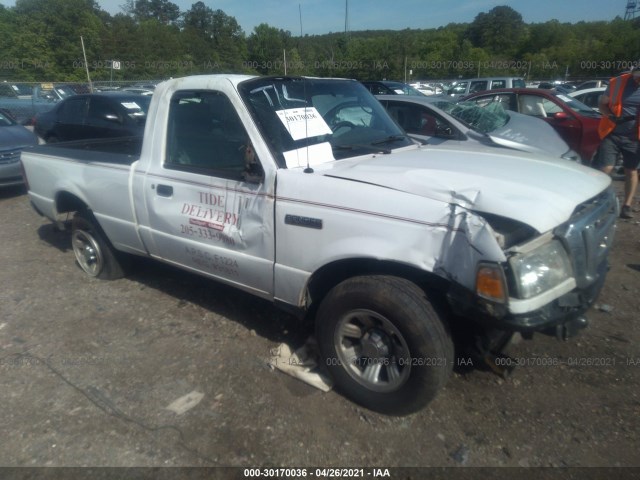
{"x":10,"y":156}
{"x":588,"y":236}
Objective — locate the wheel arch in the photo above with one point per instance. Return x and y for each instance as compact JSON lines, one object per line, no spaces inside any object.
{"x":331,"y":274}
{"x":67,"y":202}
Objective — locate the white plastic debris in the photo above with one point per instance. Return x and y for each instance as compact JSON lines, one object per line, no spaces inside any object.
{"x":183,"y":404}
{"x":603,"y":307}
{"x":300,"y":364}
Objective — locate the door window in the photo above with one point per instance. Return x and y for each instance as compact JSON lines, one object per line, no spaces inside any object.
{"x":415,"y":119}
{"x":205,"y":135}
{"x":72,"y":111}
{"x":537,"y":106}
{"x":102,"y":113}
{"x":478,"y":86}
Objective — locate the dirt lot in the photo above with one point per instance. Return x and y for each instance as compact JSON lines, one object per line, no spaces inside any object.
{"x":89,"y":367}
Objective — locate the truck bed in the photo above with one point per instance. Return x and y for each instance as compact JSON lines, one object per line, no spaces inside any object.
{"x":122,"y":150}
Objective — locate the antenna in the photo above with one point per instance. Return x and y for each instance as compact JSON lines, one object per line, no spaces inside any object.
{"x":306,"y":125}
{"x":86,"y":65}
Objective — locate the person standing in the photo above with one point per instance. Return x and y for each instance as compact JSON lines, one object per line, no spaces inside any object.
{"x":620,"y":131}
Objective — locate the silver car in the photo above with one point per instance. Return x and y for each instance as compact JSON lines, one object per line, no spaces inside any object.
{"x":437,"y":120}
{"x":13,"y":138}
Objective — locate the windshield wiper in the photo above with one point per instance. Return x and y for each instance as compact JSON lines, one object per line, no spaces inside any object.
{"x":390,"y":139}
{"x":370,"y":148}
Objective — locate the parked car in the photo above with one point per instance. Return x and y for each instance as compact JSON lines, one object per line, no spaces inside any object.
{"x":427,"y":88}
{"x":589,"y":96}
{"x":576,"y":123}
{"x":13,"y":138}
{"x":592,"y":84}
{"x":71,"y":89}
{"x":557,"y":87}
{"x":466,"y":87}
{"x":24,"y":101}
{"x":96,"y":115}
{"x":440,"y":120}
{"x":137,"y":90}
{"x":386,"y":87}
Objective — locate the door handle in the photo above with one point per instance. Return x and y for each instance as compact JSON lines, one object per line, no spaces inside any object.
{"x":165,"y":190}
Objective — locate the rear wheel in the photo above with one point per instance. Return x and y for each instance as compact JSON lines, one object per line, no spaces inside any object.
{"x":384,"y":344}
{"x":92,"y":249}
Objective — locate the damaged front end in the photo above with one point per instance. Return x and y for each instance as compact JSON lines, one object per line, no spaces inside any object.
{"x":546,"y":282}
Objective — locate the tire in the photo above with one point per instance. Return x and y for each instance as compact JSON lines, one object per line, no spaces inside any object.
{"x":93,"y":251}
{"x":383,"y":344}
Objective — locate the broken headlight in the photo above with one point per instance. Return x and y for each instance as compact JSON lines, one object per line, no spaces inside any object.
{"x":540,"y":269}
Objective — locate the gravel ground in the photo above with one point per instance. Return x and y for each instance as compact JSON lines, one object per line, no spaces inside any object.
{"x":89,"y":367}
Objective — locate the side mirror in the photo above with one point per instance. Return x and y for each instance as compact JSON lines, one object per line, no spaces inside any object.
{"x":443,"y":131}
{"x":560,"y":116}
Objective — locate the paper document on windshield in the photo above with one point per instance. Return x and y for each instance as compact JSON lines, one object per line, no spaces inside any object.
{"x":303,"y":122}
{"x":309,"y":156}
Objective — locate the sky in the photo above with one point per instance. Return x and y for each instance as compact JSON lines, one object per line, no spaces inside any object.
{"x":324,"y":16}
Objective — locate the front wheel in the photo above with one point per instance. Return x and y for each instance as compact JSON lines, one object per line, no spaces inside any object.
{"x":92,"y":249}
{"x":384,"y":344}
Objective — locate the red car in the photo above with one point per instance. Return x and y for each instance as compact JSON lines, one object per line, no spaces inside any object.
{"x":576,"y":123}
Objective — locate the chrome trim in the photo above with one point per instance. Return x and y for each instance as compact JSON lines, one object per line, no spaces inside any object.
{"x":588,"y":236}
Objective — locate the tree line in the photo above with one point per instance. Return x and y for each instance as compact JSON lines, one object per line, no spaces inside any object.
{"x":153,"y":39}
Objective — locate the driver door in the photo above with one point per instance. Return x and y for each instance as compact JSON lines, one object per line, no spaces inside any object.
{"x":207,"y":203}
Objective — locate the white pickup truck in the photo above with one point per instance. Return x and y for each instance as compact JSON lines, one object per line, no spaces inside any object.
{"x":304,"y":191}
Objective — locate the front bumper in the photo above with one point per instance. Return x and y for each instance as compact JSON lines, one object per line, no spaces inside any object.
{"x":587,"y":237}
{"x":10,"y":173}
{"x":562,"y":317}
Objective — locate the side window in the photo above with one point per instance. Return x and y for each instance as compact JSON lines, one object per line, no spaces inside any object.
{"x":378,"y":89}
{"x":103,"y":113}
{"x":503,"y":99}
{"x":550,"y":108}
{"x":478,"y":86}
{"x":591,"y":99}
{"x":498,"y":84}
{"x":205,"y":135}
{"x":533,"y":105}
{"x":458,"y":89}
{"x":413,"y":119}
{"x":72,"y":111}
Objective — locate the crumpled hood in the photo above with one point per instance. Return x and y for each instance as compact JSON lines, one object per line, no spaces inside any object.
{"x":541,"y":192}
{"x":529,"y":134}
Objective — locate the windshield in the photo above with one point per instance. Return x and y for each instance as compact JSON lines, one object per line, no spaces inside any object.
{"x":65,"y":91}
{"x":484,"y":120}
{"x":136,"y":107}
{"x":6,"y":120}
{"x":319,"y":120}
{"x":403,"y":89}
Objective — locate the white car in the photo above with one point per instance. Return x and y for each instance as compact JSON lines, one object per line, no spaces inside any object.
{"x":589,"y":96}
{"x":438,"y":120}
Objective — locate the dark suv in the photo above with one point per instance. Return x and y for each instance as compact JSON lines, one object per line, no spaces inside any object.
{"x":97,"y":115}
